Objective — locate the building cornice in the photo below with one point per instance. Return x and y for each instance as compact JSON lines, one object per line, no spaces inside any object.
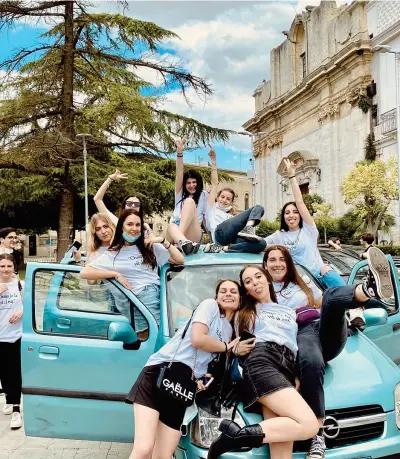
{"x":322,"y":74}
{"x":387,"y":35}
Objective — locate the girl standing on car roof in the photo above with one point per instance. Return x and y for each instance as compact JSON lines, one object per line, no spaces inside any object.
{"x":269,"y":370}
{"x":130,"y":202}
{"x":158,"y":417}
{"x":230,"y":232}
{"x":134,"y":261}
{"x":299,"y":234}
{"x":11,"y":293}
{"x":190,"y":206}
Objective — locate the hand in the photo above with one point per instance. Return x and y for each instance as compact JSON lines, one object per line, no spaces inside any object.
{"x":3,"y":288}
{"x":152,"y":240}
{"x":200,"y":384}
{"x":122,"y":280}
{"x":16,"y":317}
{"x":180,"y":144}
{"x":212,"y":154}
{"x":233,"y":343}
{"x":77,"y":256}
{"x":118,"y":175}
{"x":290,"y":167}
{"x":244,"y":347}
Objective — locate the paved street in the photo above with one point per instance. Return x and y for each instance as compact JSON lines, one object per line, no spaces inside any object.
{"x":15,"y":445}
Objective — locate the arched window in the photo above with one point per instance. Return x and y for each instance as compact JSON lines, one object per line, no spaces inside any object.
{"x":246,"y":201}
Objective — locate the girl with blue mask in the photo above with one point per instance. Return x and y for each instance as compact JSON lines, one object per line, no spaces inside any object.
{"x":134,"y":262}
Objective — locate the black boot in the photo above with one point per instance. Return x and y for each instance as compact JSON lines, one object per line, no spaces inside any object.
{"x":233,"y":438}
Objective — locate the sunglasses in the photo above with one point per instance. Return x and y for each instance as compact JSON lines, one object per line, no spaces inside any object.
{"x":132,"y":204}
{"x":12,"y":237}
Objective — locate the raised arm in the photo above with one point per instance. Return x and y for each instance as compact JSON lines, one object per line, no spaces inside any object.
{"x":98,"y":198}
{"x":214,"y":177}
{"x":298,"y":197}
{"x":180,"y":146}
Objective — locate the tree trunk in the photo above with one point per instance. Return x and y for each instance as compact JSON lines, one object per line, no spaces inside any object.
{"x":65,"y":219}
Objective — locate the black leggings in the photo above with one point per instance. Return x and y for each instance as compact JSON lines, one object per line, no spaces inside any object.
{"x":10,"y":371}
{"x":321,"y":341}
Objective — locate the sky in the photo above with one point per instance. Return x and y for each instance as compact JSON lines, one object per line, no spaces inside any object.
{"x":226,"y":42}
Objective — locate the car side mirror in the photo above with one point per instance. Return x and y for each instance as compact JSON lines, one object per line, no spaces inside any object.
{"x":375,"y":316}
{"x":122,"y":331}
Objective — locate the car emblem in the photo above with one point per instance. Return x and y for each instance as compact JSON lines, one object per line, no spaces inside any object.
{"x":331,"y":428}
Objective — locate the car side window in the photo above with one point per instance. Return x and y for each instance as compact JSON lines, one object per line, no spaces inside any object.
{"x":391,"y":305}
{"x":66,"y":304}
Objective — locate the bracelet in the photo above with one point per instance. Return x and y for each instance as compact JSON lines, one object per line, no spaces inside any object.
{"x":293,"y":176}
{"x":111,"y":178}
{"x":163,"y":240}
{"x":179,"y":155}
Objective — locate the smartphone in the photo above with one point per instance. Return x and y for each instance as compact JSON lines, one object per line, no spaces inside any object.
{"x":246,"y":335}
{"x":76,"y":245}
{"x":207,"y":380}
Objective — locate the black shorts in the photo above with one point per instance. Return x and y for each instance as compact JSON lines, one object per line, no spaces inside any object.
{"x":145,"y":392}
{"x":268,"y":368}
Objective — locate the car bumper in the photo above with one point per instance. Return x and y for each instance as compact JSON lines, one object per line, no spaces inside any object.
{"x":387,"y":446}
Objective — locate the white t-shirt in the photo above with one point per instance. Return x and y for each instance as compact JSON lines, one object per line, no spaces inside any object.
{"x":215,"y":216}
{"x":10,"y":303}
{"x":129,"y":262}
{"x":276,"y":323}
{"x":293,"y":296}
{"x":302,"y":245}
{"x":201,"y":207}
{"x":94,"y":255}
{"x":218,"y":327}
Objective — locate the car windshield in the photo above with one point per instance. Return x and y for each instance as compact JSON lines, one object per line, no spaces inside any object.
{"x":188,"y":286}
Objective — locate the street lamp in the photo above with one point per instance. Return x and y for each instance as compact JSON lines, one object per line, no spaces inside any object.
{"x":388,"y":49}
{"x":252,"y":135}
{"x":83,"y":136}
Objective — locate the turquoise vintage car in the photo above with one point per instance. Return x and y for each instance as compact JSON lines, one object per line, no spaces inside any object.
{"x":81,"y":355}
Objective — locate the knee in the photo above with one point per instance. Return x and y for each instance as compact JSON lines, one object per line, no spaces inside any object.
{"x":259,"y":209}
{"x":189,"y":204}
{"x":310,"y":427}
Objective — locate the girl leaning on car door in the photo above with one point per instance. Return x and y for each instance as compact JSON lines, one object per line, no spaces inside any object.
{"x":158,"y":417}
{"x":10,"y":338}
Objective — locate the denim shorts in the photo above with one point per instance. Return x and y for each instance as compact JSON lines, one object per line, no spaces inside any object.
{"x":268,"y":368}
{"x":145,"y":392}
{"x":150,"y":297}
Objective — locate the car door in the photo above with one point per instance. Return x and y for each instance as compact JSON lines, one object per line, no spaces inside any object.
{"x":386,"y":336}
{"x":74,"y":378}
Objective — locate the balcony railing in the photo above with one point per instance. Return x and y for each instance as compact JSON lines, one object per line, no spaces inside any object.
{"x":388,"y":121}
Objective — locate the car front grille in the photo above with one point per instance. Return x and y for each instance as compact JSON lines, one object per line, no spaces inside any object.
{"x":357,"y":424}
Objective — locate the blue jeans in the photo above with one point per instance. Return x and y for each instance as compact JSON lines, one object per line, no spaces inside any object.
{"x":331,"y":279}
{"x":150,"y":297}
{"x":226,"y":232}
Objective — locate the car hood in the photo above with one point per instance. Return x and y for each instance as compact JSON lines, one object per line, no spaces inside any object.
{"x":361,"y":375}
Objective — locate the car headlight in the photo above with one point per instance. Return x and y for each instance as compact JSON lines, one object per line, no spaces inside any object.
{"x":204,"y":428}
{"x":397,"y":404}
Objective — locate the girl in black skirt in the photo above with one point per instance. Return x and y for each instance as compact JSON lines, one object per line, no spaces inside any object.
{"x":158,"y":417}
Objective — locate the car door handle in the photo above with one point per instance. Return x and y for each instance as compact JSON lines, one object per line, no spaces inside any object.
{"x":396,"y":327}
{"x":49,"y":352}
{"x":63,"y":323}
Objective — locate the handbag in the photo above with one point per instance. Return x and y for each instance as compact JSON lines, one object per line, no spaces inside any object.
{"x":175,"y":383}
{"x":306,"y":314}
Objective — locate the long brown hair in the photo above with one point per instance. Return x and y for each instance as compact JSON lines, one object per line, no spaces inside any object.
{"x":247,"y":312}
{"x":291,"y":272}
{"x":229,"y":190}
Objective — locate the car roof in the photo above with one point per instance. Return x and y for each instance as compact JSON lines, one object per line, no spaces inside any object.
{"x":223,"y":258}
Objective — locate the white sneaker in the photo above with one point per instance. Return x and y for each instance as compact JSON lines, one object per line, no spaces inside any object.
{"x":16,"y":421}
{"x":7,"y":409}
{"x":317,"y":448}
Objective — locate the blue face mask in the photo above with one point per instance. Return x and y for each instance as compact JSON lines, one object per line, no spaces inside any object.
{"x":130,"y":239}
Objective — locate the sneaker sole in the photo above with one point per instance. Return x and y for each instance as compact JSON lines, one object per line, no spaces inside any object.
{"x":380,"y":268}
{"x":250,"y":237}
{"x":187,"y":249}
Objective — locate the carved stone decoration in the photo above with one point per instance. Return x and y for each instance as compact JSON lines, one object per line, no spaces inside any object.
{"x":353,"y":95}
{"x":267,"y":143}
{"x":327,"y":112}
{"x":274,"y":140}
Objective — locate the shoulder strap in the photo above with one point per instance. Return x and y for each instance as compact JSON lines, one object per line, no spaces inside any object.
{"x":19,"y":286}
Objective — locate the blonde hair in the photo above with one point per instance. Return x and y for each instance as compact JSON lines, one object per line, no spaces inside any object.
{"x":94,"y":241}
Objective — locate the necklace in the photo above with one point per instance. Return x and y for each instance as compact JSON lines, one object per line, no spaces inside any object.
{"x":291,"y":245}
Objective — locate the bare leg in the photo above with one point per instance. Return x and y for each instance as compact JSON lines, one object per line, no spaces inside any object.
{"x":278,"y":450}
{"x":166,"y":442}
{"x":295,"y":420}
{"x":145,"y":431}
{"x":189,"y":227}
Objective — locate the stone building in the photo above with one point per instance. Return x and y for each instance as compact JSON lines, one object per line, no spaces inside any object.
{"x":308,"y":110}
